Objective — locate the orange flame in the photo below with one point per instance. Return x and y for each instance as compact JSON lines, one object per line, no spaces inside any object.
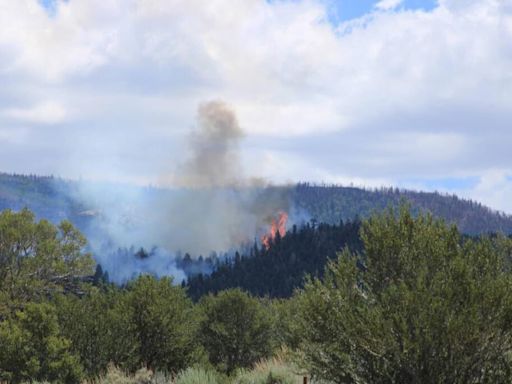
{"x":276,"y":226}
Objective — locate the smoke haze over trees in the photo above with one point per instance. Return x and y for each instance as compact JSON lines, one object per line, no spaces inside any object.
{"x":133,"y":217}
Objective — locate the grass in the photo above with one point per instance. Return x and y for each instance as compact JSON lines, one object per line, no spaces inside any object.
{"x":271,"y":371}
{"x":199,"y":376}
{"x":116,"y":376}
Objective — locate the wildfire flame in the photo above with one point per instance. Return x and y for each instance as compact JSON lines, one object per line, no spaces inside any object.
{"x":276,"y":226}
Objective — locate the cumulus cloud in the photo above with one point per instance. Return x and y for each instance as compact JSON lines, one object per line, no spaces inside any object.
{"x":392,"y":96}
{"x":494,"y":189}
{"x":386,"y":5}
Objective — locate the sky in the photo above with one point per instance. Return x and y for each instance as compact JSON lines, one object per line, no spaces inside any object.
{"x":414,"y":94}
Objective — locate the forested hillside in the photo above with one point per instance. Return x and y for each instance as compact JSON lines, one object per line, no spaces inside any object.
{"x":56,"y":199}
{"x":331,"y":203}
{"x":48,"y":197}
{"x":278,"y":270}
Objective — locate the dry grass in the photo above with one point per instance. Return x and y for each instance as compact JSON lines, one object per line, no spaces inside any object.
{"x":276,"y":370}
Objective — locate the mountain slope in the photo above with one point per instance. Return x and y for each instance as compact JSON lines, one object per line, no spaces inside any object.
{"x":55,"y":199}
{"x":329,"y":204}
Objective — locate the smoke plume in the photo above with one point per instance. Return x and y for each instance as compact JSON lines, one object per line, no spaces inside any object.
{"x":214,"y":149}
{"x":213,"y":205}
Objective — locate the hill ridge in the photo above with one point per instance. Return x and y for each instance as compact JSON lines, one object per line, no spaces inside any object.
{"x":52,"y":198}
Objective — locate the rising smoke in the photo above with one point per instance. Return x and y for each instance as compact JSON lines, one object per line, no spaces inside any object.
{"x":214,"y":150}
{"x":213,"y":205}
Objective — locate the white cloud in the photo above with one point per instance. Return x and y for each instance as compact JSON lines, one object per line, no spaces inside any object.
{"x":494,"y":189}
{"x":49,"y":112}
{"x":394,"y":95}
{"x":285,"y":167}
{"x":51,"y":48}
{"x":386,"y":5}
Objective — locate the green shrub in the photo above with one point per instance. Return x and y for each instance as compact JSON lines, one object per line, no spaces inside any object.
{"x":274,"y":371}
{"x":198,"y":376}
{"x":115,"y":375}
{"x":236,"y":330}
{"x":422,"y":304}
{"x":32,"y":348}
{"x":163,"y":324}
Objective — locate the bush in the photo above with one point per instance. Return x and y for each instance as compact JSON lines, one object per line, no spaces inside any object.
{"x":100,"y":330}
{"x":114,"y":375}
{"x":33,"y":349}
{"x":199,"y":376}
{"x":163,"y":324}
{"x":273,"y":371}
{"x":235,"y":330}
{"x":421,"y":305}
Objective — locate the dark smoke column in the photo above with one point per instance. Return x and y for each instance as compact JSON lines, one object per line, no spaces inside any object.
{"x":214,"y":160}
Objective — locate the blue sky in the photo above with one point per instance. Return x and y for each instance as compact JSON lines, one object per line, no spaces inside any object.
{"x":338,"y":10}
{"x":50,"y":6}
{"x":109,"y":89}
{"x":343,"y":10}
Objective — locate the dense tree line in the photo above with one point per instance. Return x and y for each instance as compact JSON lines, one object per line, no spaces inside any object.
{"x":280,"y":269}
{"x":428,"y":306}
{"x":415,"y":302}
{"x":332,"y":203}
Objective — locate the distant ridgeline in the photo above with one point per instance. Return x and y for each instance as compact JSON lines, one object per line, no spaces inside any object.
{"x":53,"y":199}
{"x":48,"y":197}
{"x":330,"y":203}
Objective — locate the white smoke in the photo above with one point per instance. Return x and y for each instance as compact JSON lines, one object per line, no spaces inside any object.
{"x":213,"y":205}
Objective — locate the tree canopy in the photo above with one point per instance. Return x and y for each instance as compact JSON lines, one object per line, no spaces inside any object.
{"x":37,"y":257}
{"x":235,"y":330}
{"x":409,"y":300}
{"x":421,"y":304}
